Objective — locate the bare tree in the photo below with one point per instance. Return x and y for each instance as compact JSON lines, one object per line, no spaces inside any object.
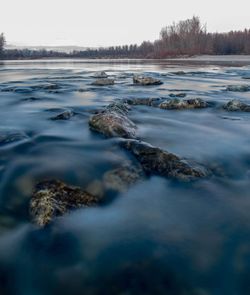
{"x":2,"y":43}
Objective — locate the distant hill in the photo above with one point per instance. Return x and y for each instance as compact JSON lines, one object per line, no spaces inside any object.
{"x":66,"y":49}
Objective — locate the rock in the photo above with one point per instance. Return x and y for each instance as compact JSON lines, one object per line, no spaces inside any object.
{"x":238,"y":88}
{"x":23,"y":90}
{"x":178,"y":104}
{"x":231,"y":118}
{"x":54,"y":198}
{"x":113,"y":122}
{"x":121,"y":178}
{"x":146,"y":81}
{"x":30,"y":99}
{"x":100,"y":75}
{"x":236,"y":105}
{"x":17,"y":89}
{"x":178,"y":73}
{"x":66,"y":115}
{"x":178,"y":95}
{"x":118,"y":107}
{"x":159,"y":162}
{"x":103,"y":82}
{"x":143,"y":101}
{"x":45,"y":86}
{"x":11,"y":137}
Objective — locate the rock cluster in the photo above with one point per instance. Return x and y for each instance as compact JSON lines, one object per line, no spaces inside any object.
{"x":152,"y":159}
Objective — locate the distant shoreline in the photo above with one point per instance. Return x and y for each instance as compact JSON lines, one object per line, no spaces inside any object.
{"x":235,"y":60}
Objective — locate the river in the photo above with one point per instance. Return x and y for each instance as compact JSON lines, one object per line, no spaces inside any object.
{"x":159,"y":236}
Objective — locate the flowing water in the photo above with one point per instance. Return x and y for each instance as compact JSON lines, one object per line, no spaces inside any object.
{"x":159,"y":237}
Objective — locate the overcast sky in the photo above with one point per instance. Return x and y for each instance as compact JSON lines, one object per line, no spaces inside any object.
{"x":111,"y":22}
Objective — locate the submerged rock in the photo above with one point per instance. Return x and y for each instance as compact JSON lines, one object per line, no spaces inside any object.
{"x":54,"y":198}
{"x":121,"y":178}
{"x":236,"y":105}
{"x":66,"y":115}
{"x":160,"y":162}
{"x":238,"y":88}
{"x":155,"y":101}
{"x":103,"y":82}
{"x":100,"y":75}
{"x":146,"y":81}
{"x":178,"y":95}
{"x":176,"y":103}
{"x":17,"y":89}
{"x":178,"y":73}
{"x":11,"y":137}
{"x":45,"y":86}
{"x":113,"y":122}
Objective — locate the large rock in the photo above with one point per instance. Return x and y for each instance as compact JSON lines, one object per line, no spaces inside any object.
{"x":100,"y":75}
{"x":238,"y":88}
{"x":236,"y":106}
{"x":113,"y":122}
{"x":103,"y":82}
{"x":146,"y":81}
{"x":159,"y":162}
{"x":178,"y":104}
{"x":54,"y":198}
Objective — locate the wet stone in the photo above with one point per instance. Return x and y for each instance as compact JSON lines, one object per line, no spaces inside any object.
{"x":236,"y":106}
{"x":238,"y":88}
{"x":103,"y":82}
{"x":143,"y":101}
{"x":176,"y":103}
{"x":66,"y":115}
{"x":17,"y":89}
{"x":146,"y":81}
{"x":121,"y":178}
{"x":159,"y":162}
{"x":100,"y":75}
{"x":54,"y":198}
{"x":113,"y":122}
{"x":30,"y":99}
{"x":178,"y":95}
{"x":45,"y":86}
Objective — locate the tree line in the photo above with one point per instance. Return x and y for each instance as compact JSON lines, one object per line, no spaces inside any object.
{"x":185,"y":38}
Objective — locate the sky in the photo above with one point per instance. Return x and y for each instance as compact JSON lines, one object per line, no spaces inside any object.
{"x":94,"y":23}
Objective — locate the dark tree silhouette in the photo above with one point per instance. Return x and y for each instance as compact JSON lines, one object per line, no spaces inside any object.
{"x":2,"y":43}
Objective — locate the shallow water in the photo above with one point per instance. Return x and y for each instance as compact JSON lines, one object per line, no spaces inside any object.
{"x":160,"y":237}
